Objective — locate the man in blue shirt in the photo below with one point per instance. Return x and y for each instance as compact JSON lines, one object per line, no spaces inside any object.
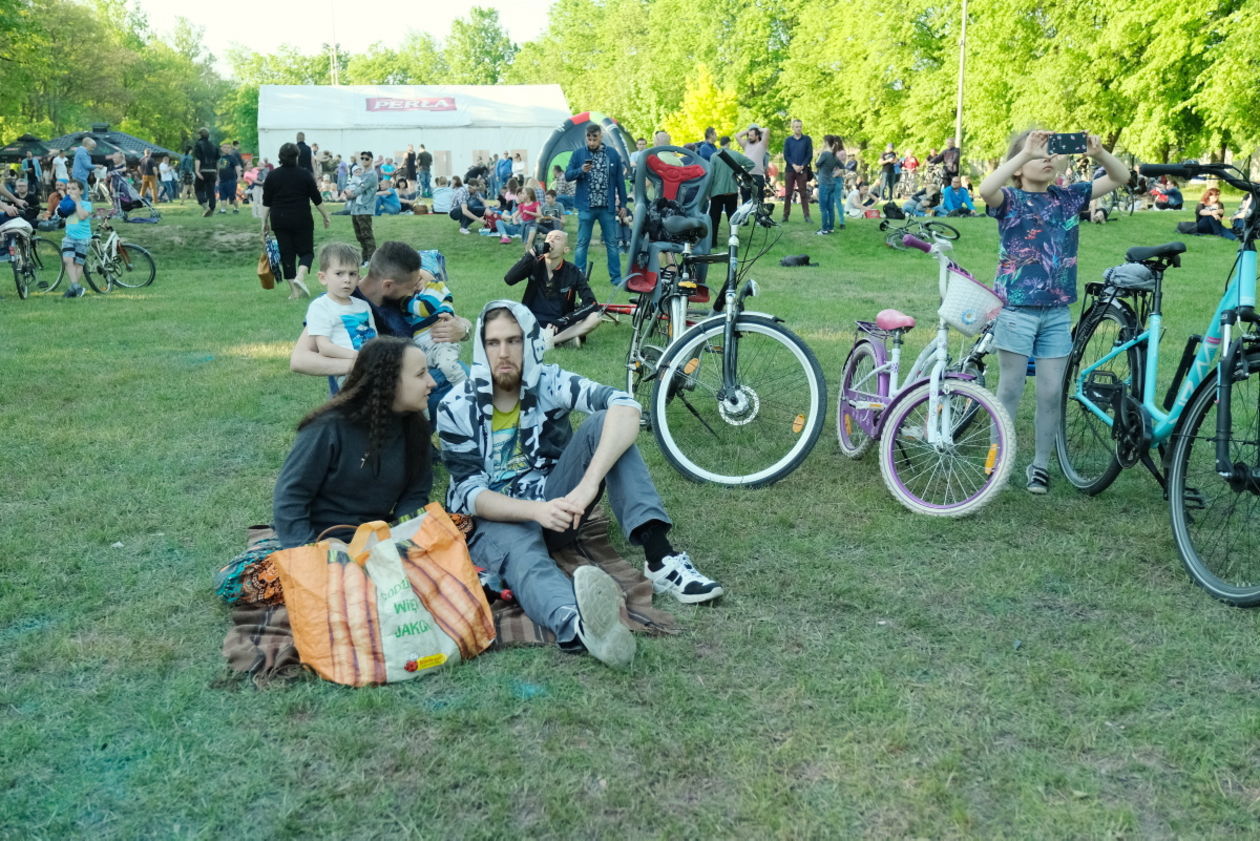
{"x":798,"y":152}
{"x":601,"y":195}
{"x":956,"y":199}
{"x":82,"y":166}
{"x":708,"y":147}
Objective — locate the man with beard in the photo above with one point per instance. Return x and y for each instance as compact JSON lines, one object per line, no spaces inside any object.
{"x":518,"y":467}
{"x":393,"y":277}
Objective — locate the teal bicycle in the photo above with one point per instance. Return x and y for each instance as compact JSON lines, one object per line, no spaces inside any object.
{"x":1207,"y":426}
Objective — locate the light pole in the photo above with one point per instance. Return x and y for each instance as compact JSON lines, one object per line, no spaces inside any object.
{"x":962,"y":67}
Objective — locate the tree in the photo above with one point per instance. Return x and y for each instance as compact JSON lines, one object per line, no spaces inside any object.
{"x":479,"y":51}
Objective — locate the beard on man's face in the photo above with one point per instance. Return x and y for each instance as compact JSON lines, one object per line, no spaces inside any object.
{"x":505,"y":381}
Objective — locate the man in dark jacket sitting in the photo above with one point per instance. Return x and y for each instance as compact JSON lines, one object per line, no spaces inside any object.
{"x":553,"y":291}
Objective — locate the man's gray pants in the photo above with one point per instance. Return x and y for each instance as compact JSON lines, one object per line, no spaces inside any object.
{"x":519,"y":553}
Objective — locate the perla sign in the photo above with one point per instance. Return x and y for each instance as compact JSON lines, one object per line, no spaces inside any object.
{"x":429,"y":103}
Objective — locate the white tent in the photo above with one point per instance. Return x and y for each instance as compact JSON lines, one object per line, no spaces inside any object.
{"x":456,"y":123}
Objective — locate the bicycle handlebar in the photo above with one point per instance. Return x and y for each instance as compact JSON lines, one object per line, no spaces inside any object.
{"x":911,"y":241}
{"x":1157,"y":170}
{"x":1193,"y":169}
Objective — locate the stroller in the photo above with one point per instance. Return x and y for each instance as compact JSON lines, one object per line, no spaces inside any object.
{"x":127,"y":201}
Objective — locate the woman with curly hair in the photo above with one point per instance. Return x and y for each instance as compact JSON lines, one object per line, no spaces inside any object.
{"x":363,"y":455}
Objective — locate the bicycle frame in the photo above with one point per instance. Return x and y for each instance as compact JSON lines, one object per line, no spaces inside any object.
{"x":1239,"y":296}
{"x":887,"y":372}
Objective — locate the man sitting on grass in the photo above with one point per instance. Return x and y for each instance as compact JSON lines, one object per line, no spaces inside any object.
{"x":530,"y":480}
{"x":553,"y":291}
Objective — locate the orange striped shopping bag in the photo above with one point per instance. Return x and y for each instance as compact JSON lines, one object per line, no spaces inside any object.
{"x":384,"y":609}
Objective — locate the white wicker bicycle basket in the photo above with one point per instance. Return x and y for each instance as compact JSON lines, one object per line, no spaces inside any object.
{"x":968,"y":305}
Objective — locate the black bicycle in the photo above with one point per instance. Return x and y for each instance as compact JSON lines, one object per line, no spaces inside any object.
{"x":738,"y":399}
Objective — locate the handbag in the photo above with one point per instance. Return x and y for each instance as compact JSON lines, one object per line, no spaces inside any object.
{"x":383,"y":609}
{"x":265,"y":275}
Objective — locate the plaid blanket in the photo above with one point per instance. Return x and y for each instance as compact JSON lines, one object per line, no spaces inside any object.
{"x":260,"y":643}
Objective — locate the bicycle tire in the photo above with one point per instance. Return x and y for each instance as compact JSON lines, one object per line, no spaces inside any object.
{"x":47,"y":255}
{"x":99,"y":275}
{"x":21,"y":279}
{"x":649,"y":338}
{"x":855,"y":428}
{"x":136,"y":266}
{"x":1086,"y":449}
{"x":765,"y":431}
{"x":953,"y":480}
{"x":940,"y":230}
{"x":1216,"y":525}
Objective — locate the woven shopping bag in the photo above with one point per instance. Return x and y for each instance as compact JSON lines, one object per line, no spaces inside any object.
{"x":383,"y":609}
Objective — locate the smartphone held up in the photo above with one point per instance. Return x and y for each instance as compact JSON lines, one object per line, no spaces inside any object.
{"x":1069,"y":143}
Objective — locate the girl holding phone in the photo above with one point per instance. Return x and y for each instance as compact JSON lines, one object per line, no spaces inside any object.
{"x":1039,"y":228}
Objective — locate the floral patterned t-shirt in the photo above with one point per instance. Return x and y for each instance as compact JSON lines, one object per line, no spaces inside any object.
{"x":1039,"y":236}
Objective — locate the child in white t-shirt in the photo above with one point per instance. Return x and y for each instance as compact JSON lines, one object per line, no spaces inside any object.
{"x":339,"y":322}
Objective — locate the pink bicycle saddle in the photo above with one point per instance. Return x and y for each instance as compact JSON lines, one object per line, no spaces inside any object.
{"x":893,"y":320}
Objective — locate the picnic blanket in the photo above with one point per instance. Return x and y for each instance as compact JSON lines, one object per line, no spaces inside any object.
{"x":259,"y":643}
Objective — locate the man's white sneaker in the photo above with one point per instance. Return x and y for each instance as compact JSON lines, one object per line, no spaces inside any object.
{"x":680,"y":578}
{"x":599,"y":617}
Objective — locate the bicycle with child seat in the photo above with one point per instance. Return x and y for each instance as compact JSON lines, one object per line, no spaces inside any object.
{"x":1206,"y":428}
{"x":737,"y":399}
{"x":946,"y":445}
{"x":896,"y":232}
{"x":112,"y":261}
{"x":23,"y":259}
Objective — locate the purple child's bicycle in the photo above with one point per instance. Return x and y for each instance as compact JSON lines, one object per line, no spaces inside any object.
{"x":946,"y":445}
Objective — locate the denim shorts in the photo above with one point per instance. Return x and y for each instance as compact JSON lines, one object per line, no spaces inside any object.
{"x":76,"y":248}
{"x":1039,"y":332}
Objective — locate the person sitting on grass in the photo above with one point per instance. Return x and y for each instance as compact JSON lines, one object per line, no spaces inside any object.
{"x":387,"y":201}
{"x":74,"y":247}
{"x":467,"y":207}
{"x":339,"y":322}
{"x":365,"y":454}
{"x":956,"y":200}
{"x":1210,"y":215}
{"x":553,"y":285}
{"x":1168,"y":196}
{"x":858,"y":201}
{"x":443,"y":195}
{"x":550,"y":215}
{"x":529,"y":480}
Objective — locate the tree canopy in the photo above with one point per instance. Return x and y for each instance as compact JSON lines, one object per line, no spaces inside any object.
{"x":1154,"y":78}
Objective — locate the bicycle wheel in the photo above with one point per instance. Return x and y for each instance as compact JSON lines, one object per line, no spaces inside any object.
{"x":22,"y":278}
{"x":893,"y":239}
{"x":48,"y":266}
{"x":1087,"y":452}
{"x":946,"y":480}
{"x":855,"y":426}
{"x":648,"y":339}
{"x":940,"y":230}
{"x":762,"y":431}
{"x":1216,"y":521}
{"x":135,"y":266}
{"x":99,"y":274}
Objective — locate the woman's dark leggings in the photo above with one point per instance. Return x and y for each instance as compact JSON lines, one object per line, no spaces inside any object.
{"x":297,"y":247}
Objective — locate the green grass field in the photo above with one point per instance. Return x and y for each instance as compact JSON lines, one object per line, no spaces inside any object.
{"x":1042,"y":670}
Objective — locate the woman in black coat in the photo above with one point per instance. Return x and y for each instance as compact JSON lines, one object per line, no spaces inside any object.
{"x":288,"y":194}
